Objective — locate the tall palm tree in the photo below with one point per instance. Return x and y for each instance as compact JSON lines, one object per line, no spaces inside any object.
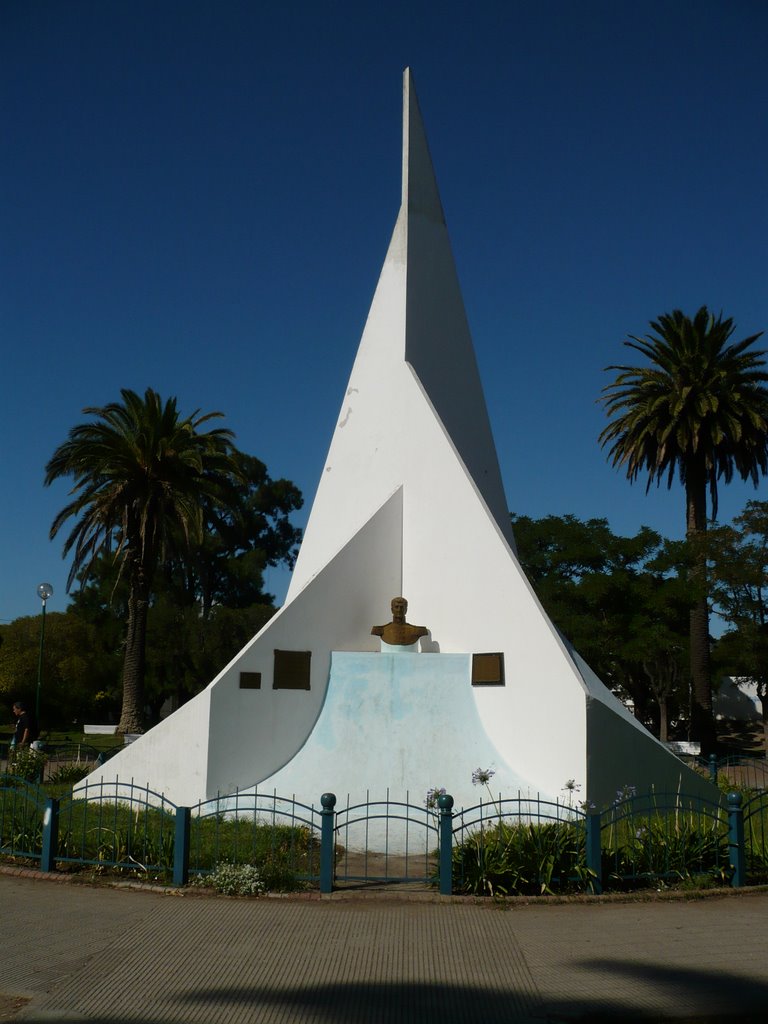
{"x":140,"y":470}
{"x":699,"y":409}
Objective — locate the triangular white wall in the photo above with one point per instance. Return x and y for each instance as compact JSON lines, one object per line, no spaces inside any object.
{"x":410,"y":502}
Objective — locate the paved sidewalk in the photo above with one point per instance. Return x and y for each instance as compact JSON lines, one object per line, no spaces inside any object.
{"x":81,"y":953}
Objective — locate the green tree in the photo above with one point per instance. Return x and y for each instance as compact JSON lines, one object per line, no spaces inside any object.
{"x":76,"y":667}
{"x":186,"y":651}
{"x":664,"y":669}
{"x":738,"y":557}
{"x":617,"y":599}
{"x":699,"y":409}
{"x":140,"y":470}
{"x":241,"y":537}
{"x":207,"y":600}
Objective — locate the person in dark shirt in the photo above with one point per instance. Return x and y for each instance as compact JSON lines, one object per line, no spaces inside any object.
{"x":26,"y":731}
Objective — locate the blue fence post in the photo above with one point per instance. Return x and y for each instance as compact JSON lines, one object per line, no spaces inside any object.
{"x":593,"y":850}
{"x":181,"y":847}
{"x":445,"y":803}
{"x":50,"y":835}
{"x":736,"y":839}
{"x":327,"y":832}
{"x":713,"y":769}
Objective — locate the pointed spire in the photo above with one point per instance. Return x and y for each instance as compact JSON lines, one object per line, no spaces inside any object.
{"x":438,"y":343}
{"x":420,"y":193}
{"x":416,"y":333}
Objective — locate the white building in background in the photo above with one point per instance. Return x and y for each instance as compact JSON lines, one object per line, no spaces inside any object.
{"x":410,"y":503}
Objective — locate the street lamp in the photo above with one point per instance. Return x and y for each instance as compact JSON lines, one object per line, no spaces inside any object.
{"x":44,"y":591}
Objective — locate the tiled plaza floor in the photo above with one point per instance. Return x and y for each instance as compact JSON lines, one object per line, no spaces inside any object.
{"x":83,"y":953}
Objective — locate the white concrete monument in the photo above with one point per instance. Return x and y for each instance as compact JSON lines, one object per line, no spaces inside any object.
{"x":410,"y":503}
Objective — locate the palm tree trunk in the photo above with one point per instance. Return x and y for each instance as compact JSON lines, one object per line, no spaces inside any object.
{"x":702,"y":722}
{"x":132,"y":714}
{"x":663,"y":720}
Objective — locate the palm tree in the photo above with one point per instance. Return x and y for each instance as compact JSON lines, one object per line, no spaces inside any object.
{"x":140,"y":471}
{"x":700,"y":409}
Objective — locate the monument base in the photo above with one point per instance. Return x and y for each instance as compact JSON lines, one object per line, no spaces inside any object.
{"x":395,"y":727}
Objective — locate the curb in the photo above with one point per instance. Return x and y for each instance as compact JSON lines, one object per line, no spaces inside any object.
{"x":392,"y":895}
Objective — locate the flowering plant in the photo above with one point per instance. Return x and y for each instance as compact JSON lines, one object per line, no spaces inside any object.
{"x":235,"y":880}
{"x":625,"y":793}
{"x":432,"y":797}
{"x":482,"y":776}
{"x":570,"y":788}
{"x":26,"y":763}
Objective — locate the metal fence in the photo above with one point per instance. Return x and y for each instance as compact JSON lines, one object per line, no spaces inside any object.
{"x":113,"y":825}
{"x":67,"y":758}
{"x":385,"y":842}
{"x":743,"y":772}
{"x":664,"y":837}
{"x":754,"y":839}
{"x":523,"y":845}
{"x":733,"y":770}
{"x":510,"y":846}
{"x":60,"y":763}
{"x":281,"y":835}
{"x":22,"y":807}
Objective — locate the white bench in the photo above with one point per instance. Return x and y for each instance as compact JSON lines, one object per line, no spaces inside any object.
{"x":99,"y":730}
{"x":691,"y":748}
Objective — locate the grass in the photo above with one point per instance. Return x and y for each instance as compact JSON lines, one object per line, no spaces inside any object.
{"x":644,"y":842}
{"x":61,"y":737}
{"x":247,"y":839}
{"x":130,"y":836}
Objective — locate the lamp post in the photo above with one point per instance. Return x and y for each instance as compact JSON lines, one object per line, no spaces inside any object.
{"x":44,"y":591}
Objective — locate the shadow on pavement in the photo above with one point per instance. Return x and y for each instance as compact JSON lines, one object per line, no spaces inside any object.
{"x":727,"y":996}
{"x":729,"y":999}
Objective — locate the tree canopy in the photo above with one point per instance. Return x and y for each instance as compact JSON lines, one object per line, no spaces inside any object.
{"x":619,"y":600}
{"x":698,"y":409}
{"x":76,"y":668}
{"x":738,"y":556}
{"x":148,"y":485}
{"x":240,"y":538}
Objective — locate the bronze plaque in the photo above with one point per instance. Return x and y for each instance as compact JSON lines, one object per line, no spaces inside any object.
{"x":250,"y":680}
{"x":291,"y":670}
{"x":488,"y":669}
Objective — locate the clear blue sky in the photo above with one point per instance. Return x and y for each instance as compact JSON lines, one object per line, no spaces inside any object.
{"x":198,"y":196}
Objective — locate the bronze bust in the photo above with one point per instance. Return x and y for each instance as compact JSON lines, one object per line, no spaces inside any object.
{"x":398,"y":632}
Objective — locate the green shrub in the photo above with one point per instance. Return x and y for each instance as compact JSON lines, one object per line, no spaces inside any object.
{"x":522,"y":859}
{"x":672,"y":846}
{"x":21,"y":817}
{"x":279,"y":875}
{"x":116,"y":836}
{"x":217,"y":839}
{"x":26,"y":763}
{"x":68,"y":774}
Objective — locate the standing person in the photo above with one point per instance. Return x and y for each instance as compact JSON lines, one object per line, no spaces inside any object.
{"x":26,"y":727}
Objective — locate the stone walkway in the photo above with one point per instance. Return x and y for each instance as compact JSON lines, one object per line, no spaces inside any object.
{"x":84,"y":953}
